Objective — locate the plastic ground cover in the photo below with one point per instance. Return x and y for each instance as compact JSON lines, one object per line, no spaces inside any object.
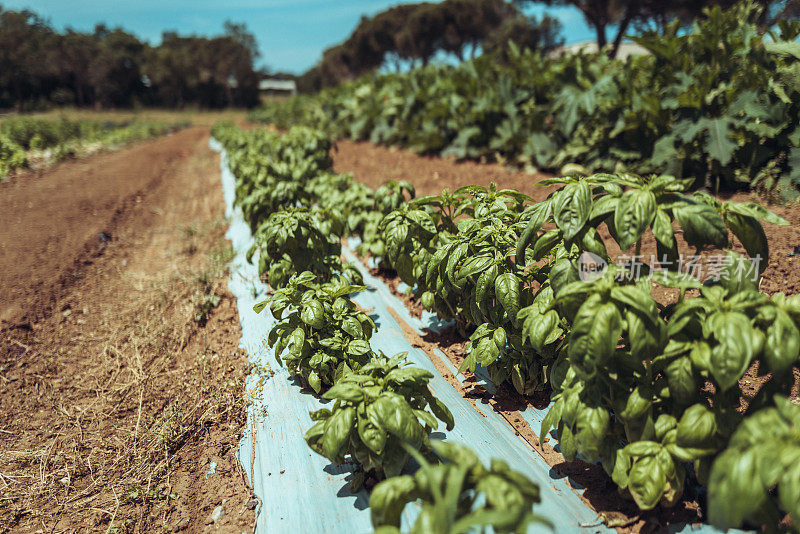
{"x":300,"y":491}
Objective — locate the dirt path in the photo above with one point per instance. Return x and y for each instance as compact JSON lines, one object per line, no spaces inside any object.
{"x":53,"y":218}
{"x":120,"y":377}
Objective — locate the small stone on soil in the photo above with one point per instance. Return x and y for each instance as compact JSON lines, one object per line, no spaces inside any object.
{"x":217,"y":514}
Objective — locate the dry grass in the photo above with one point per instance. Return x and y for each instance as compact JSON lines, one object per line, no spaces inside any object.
{"x":121,"y":395}
{"x":194,"y":116}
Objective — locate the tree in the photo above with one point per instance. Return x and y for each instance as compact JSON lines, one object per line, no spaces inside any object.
{"x":525,"y":32}
{"x":775,"y":10}
{"x":115,"y":71}
{"x":76,"y":52}
{"x":26,"y":46}
{"x":622,"y":14}
{"x":413,"y":33}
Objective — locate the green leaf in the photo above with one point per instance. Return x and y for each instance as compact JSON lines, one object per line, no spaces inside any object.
{"x":647,"y":480}
{"x":528,"y":236}
{"x":676,"y":280}
{"x":337,"y":431}
{"x":345,"y":391}
{"x":782,"y":343}
{"x":697,"y":428}
{"x":635,"y":299}
{"x":789,"y":491}
{"x":409,"y":376}
{"x":635,"y":212}
{"x":313,"y":314}
{"x":397,"y":417}
{"x":507,"y":292}
{"x":680,"y":377}
{"x":358,"y":347}
{"x":702,"y":225}
{"x":734,"y":491}
{"x":719,"y":145}
{"x":594,"y":337}
{"x":545,"y":244}
{"x":736,"y":347}
{"x":662,"y":228}
{"x":638,"y":403}
{"x":751,"y":234}
{"x":258,"y":308}
{"x":370,"y":431}
{"x":314,"y":381}
{"x":757,"y":211}
{"x":389,"y":498}
{"x":458,"y":254}
{"x":590,"y":429}
{"x":739,"y":274}
{"x":571,"y":207}
{"x":442,"y":412}
{"x":474,"y":265}
{"x":536,"y":327}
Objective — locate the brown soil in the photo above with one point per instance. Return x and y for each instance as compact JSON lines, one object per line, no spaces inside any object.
{"x":373,"y":165}
{"x":119,"y":388}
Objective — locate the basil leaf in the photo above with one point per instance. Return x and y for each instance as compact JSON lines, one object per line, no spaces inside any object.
{"x":441,"y":411}
{"x":397,"y":417}
{"x":507,"y":292}
{"x":662,"y":229}
{"x":571,"y":207}
{"x":313,"y":314}
{"x":697,"y":428}
{"x":594,"y":337}
{"x":337,"y":431}
{"x":736,"y":347}
{"x":680,"y":377}
{"x":634,"y":213}
{"x":647,"y":480}
{"x":782,"y":343}
{"x":757,"y":211}
{"x":750,"y":232}
{"x":370,"y":432}
{"x":389,"y":498}
{"x":734,"y":489}
{"x":702,"y":225}
{"x":345,"y":391}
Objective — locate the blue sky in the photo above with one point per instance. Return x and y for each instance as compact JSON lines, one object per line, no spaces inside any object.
{"x":291,"y":33}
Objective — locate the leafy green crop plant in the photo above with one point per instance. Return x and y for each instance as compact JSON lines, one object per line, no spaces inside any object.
{"x":756,"y":480}
{"x":294,"y":240}
{"x":718,"y":103}
{"x":381,"y":411}
{"x":458,"y":496}
{"x":320,"y":333}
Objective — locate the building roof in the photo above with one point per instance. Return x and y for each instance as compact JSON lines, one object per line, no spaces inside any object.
{"x":272,"y":84}
{"x":590,"y":47}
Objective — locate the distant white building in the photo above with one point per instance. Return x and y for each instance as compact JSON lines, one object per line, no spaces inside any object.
{"x":590,"y":47}
{"x":272,"y":85}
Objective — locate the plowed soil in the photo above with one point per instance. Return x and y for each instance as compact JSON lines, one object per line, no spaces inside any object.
{"x":120,"y":377}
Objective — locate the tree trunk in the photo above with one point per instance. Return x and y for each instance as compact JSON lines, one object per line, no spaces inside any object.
{"x":602,"y":41}
{"x":18,"y":94}
{"x":79,"y":91}
{"x":623,"y":27}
